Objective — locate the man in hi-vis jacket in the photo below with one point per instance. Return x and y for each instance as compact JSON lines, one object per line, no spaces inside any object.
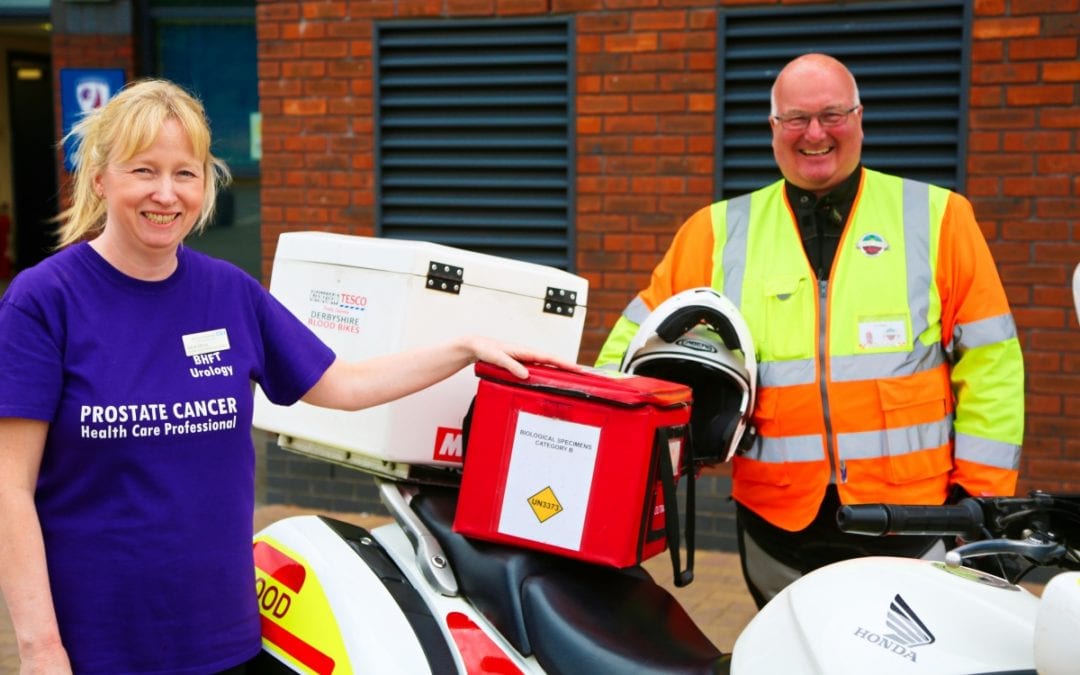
{"x":888,"y":360}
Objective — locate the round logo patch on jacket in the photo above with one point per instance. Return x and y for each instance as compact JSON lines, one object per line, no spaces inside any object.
{"x":872,"y":245}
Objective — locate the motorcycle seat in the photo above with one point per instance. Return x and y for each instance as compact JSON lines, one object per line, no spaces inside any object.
{"x":573,"y":616}
{"x":601,"y":621}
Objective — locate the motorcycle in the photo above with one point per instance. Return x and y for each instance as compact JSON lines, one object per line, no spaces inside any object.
{"x":413,"y":596}
{"x":882,"y":614}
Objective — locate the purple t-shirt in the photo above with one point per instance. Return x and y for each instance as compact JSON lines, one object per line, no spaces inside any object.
{"x":146,"y":488}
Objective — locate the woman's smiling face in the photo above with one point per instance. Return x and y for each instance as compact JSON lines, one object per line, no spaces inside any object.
{"x":153,"y":198}
{"x":816,"y":158}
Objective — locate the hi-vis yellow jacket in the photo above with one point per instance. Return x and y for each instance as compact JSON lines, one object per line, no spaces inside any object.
{"x":897,"y":378}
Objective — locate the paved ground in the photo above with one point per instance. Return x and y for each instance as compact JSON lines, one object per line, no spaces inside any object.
{"x":717,"y":599}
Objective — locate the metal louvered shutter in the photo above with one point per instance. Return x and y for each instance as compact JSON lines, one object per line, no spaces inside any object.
{"x":909,"y":60}
{"x":473,"y":127}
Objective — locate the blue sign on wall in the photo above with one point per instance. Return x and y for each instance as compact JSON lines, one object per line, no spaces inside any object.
{"x":81,"y":91}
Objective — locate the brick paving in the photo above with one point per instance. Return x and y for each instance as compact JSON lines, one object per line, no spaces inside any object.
{"x":717,"y":599}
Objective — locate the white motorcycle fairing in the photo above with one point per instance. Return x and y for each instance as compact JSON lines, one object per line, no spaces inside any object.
{"x":333,"y":601}
{"x":891,"y":615}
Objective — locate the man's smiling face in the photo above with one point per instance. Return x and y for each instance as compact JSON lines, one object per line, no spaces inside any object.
{"x":817,"y":157}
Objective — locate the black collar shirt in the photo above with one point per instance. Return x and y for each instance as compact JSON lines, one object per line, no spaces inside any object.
{"x":821,"y":220}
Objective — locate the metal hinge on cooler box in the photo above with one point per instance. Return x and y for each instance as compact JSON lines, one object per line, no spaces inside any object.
{"x":445,"y":278}
{"x":560,"y":301}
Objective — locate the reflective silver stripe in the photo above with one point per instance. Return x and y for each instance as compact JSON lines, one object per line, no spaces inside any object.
{"x":988,"y":452}
{"x":917,"y":254}
{"x":787,"y":449}
{"x":637,"y":311}
{"x":984,"y":332}
{"x":786,"y":373}
{"x":893,"y":442}
{"x":766,"y":573}
{"x":734,"y":255}
{"x":893,"y":364}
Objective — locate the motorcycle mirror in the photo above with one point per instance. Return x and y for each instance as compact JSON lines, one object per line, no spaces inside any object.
{"x":1057,"y":622}
{"x":1076,"y":290}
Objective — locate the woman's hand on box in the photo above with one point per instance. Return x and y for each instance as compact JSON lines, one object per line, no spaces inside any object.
{"x":511,"y":357}
{"x":355,"y":385}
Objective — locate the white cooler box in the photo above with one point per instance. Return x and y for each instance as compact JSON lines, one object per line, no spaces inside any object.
{"x":368,"y":296}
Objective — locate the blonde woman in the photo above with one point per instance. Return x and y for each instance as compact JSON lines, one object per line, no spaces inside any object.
{"x":126,"y":484}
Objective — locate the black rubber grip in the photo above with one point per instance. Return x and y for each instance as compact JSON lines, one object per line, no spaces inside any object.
{"x":964,"y":519}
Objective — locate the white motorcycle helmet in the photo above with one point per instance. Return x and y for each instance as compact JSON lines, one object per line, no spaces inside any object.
{"x":699,"y":338}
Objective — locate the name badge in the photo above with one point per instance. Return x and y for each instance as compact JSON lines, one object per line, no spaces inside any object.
{"x":216,"y":340}
{"x":883,"y":333}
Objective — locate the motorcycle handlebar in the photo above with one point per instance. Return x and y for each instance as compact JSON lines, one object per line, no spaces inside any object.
{"x":964,"y":518}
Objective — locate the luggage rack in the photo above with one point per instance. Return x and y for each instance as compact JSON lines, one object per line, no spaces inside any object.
{"x":399,"y":472}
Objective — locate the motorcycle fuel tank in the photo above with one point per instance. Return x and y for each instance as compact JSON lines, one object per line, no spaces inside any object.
{"x":891,"y":615}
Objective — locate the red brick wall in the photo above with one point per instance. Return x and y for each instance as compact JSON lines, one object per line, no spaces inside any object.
{"x":646,"y":101}
{"x":1024,"y":181}
{"x":645,"y":129}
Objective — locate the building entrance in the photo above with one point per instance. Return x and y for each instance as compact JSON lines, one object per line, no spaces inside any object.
{"x":33,"y":158}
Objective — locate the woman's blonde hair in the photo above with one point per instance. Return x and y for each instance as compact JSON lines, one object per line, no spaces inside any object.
{"x":126,"y":125}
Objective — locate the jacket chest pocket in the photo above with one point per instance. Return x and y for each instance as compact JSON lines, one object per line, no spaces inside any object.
{"x":789,"y":303}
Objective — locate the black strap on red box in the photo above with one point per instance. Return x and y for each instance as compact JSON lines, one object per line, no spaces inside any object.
{"x":661,"y":452}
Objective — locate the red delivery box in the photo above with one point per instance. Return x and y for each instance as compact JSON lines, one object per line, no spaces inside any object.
{"x":573,"y":462}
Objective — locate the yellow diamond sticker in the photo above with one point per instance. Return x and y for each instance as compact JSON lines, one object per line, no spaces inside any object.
{"x":544,"y":504}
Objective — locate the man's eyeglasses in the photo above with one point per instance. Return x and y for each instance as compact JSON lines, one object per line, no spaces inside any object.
{"x":826,"y":118}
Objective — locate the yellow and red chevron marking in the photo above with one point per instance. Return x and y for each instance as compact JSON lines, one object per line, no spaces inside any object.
{"x":297,"y":622}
